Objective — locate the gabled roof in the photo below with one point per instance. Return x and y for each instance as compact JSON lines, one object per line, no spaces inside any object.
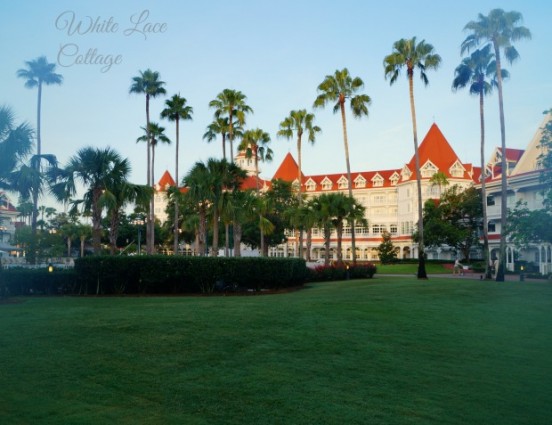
{"x":166,"y":180}
{"x":250,"y":182}
{"x":528,"y":161}
{"x":436,"y":149}
{"x":288,"y":169}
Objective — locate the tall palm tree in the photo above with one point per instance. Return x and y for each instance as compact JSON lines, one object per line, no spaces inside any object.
{"x":101,"y":172}
{"x":339,"y":88}
{"x":255,"y":144}
{"x":500,"y":29}
{"x":148,"y":83}
{"x":411,"y":55}
{"x":220,"y":126}
{"x":176,"y":110}
{"x":198,"y":196}
{"x":231,"y":104}
{"x":299,"y":122}
{"x":37,"y":73}
{"x":478,"y":73}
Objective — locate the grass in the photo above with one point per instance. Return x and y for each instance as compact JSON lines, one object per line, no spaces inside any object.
{"x":390,"y":350}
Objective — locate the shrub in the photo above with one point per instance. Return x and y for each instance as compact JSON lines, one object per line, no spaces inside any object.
{"x":342,"y":272}
{"x":20,"y":281}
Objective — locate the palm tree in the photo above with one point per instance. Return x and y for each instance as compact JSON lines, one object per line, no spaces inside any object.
{"x":322,"y":207}
{"x":220,"y":126}
{"x":410,"y":55}
{"x":15,"y":145}
{"x":299,"y":122}
{"x":231,"y":104}
{"x":154,"y":134}
{"x":500,"y":29}
{"x":478,"y":73}
{"x":148,"y":83}
{"x":101,"y":172}
{"x":198,"y":195}
{"x":176,"y":110}
{"x":37,"y":73}
{"x":338,"y":88}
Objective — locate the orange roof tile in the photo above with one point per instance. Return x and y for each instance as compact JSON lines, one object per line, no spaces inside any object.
{"x":288,"y":169}
{"x":166,"y":180}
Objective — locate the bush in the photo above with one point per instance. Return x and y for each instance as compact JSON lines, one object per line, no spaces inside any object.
{"x":175,"y":274}
{"x":20,"y":281}
{"x":343,"y":272}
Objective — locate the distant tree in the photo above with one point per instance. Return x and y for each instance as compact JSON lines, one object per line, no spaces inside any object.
{"x":454,"y":220}
{"x":387,"y":252}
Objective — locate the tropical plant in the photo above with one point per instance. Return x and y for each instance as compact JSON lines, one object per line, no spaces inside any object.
{"x":220,"y":126}
{"x":148,"y":83}
{"x":478,"y":73}
{"x":101,"y":172}
{"x":15,"y":145}
{"x":176,"y":110}
{"x":231,"y":104}
{"x":409,"y":54}
{"x":500,"y":29}
{"x":339,"y":88}
{"x":299,"y":122}
{"x":387,"y":252}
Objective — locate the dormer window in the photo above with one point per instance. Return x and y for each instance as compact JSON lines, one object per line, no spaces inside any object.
{"x":360,"y":182}
{"x":394,"y":179}
{"x":295,"y":184}
{"x":429,"y":169}
{"x":377,"y":181}
{"x":457,"y":170}
{"x":343,"y":183}
{"x":310,"y":185}
{"x":326,"y":184}
{"x":406,"y":173}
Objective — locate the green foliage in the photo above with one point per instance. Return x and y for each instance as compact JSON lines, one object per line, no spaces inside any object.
{"x":387,"y":252}
{"x":20,"y":281}
{"x":176,"y":274}
{"x":341,"y":271}
{"x":525,"y":225}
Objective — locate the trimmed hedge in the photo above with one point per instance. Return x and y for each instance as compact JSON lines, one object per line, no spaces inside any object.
{"x":341,"y":272}
{"x":175,"y":274}
{"x":21,"y":281}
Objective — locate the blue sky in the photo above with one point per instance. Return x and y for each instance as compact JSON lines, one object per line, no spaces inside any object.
{"x":276,"y":53}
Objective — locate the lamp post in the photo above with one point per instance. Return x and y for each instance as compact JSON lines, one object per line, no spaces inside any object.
{"x":139,"y":222}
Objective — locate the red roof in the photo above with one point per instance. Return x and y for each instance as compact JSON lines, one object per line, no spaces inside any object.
{"x":250,"y":182}
{"x":513,"y":154}
{"x":435,"y":148}
{"x":166,"y":180}
{"x":288,"y":169}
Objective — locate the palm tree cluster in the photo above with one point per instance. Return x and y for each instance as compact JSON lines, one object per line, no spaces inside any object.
{"x":214,"y":189}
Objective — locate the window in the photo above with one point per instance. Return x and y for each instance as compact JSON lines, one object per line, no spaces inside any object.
{"x":378,"y":229}
{"x":393,"y":229}
{"x":361,"y":230}
{"x":311,"y":185}
{"x":378,"y":199}
{"x":457,"y":170}
{"x":405,"y":173}
{"x":429,"y":169}
{"x":326,"y":184}
{"x":394,"y":179}
{"x":377,"y":181}
{"x":360,"y":182}
{"x":343,"y":183}
{"x":490,"y":201}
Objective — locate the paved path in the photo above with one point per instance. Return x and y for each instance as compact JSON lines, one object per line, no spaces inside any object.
{"x":472,"y":276}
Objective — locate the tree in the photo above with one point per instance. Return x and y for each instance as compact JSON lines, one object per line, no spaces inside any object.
{"x":101,"y":172}
{"x":478,"y":73}
{"x":545,"y":160}
{"x":176,"y":110}
{"x":410,"y":55}
{"x":198,"y":198}
{"x":387,"y":252}
{"x":37,"y":73}
{"x":255,"y":144}
{"x":231,"y":104}
{"x":500,"y":29}
{"x":15,"y":145}
{"x":220,"y":126}
{"x":299,"y":122}
{"x":148,"y":83}
{"x":454,"y":220}
{"x":339,"y":88}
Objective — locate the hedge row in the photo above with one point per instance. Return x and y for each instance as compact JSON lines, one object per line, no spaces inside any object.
{"x":175,"y":274}
{"x":342,"y":272}
{"x":15,"y":282}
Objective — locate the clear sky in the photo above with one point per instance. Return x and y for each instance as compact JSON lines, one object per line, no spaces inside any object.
{"x":276,"y":53}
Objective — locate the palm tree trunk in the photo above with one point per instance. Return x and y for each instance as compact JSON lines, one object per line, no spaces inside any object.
{"x":339,"y":232}
{"x":327,"y":235}
{"x":113,"y":232}
{"x":224,"y":145}
{"x":214,"y":252}
{"x":300,"y":192}
{"x":349,"y":179}
{"x":38,"y":107}
{"x":152,"y":202}
{"x":262,"y":248}
{"x":309,"y":243}
{"x":421,"y":252}
{"x":231,"y":134}
{"x":149,"y":251}
{"x":96,"y":222}
{"x":237,"y":238}
{"x":504,"y":187}
{"x":175,"y":225}
{"x":226,"y":239}
{"x":483,"y":188}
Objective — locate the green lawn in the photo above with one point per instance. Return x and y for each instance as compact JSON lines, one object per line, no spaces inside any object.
{"x":412,"y":269}
{"x":390,"y":350}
